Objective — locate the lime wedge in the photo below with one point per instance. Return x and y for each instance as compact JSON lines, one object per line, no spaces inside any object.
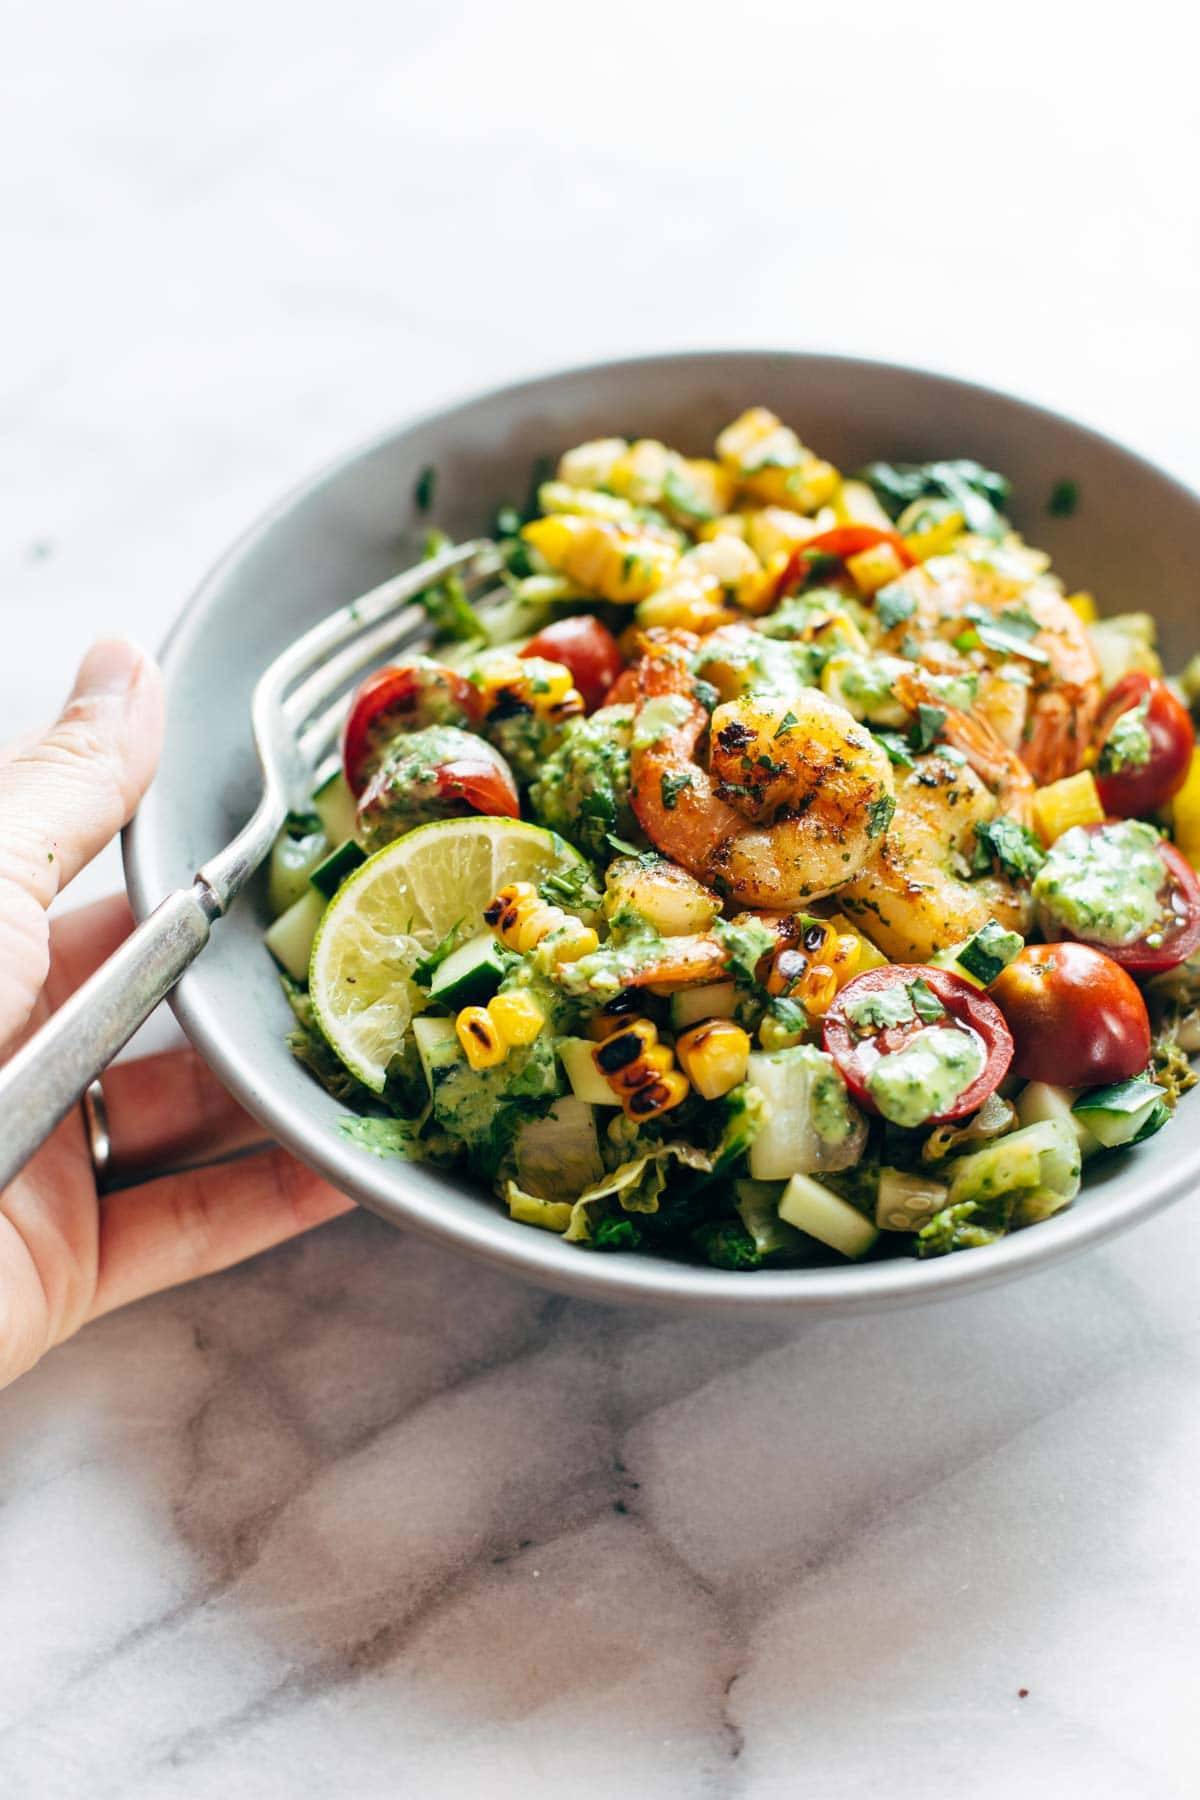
{"x":401,"y":904}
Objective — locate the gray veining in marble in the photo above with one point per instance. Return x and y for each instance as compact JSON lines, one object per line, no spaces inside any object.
{"x":360,"y":1518}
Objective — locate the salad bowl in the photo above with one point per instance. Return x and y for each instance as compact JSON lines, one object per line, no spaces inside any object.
{"x":1129,"y":531}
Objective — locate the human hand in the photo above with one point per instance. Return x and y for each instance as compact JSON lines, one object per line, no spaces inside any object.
{"x":66,"y":1255}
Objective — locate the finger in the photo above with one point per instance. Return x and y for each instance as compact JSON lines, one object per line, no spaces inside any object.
{"x":169,"y":1110}
{"x":63,"y":797}
{"x":184,"y":1226}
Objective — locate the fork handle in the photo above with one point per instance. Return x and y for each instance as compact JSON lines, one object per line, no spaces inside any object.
{"x":49,"y":1073}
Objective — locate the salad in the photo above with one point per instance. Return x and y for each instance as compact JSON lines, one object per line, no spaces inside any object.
{"x":784,"y":868}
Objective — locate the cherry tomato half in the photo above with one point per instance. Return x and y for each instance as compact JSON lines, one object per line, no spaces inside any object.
{"x":587,"y":648}
{"x":1076,"y":1017}
{"x":850,"y":540}
{"x":966,"y":1010}
{"x":1180,"y":898}
{"x":487,"y":786}
{"x":625,"y":689}
{"x":401,"y":697}
{"x":1141,"y":788}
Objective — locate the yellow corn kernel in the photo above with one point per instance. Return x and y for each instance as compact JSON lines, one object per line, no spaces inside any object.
{"x":572,"y":939}
{"x":1185,"y":813}
{"x":589,"y":503}
{"x":757,"y":592}
{"x":855,"y":504}
{"x":482,"y":1043}
{"x":1084,"y":604}
{"x":641,"y":473}
{"x":741,"y":445}
{"x":714,"y":1055}
{"x":771,"y":464}
{"x":520,"y":917}
{"x":590,"y":465}
{"x":935,"y":539}
{"x":548,"y":682}
{"x":657,"y":1096}
{"x":614,"y":561}
{"x":1073,"y":801}
{"x":687,"y":603}
{"x":517,"y":1017}
{"x":770,"y":529}
{"x":869,"y":956}
{"x":836,"y":630}
{"x":624,"y":1049}
{"x":773,"y":1034}
{"x":817,"y":990}
{"x":874,"y":568}
{"x":726,"y":525}
{"x":804,"y":488}
{"x":707,"y":485}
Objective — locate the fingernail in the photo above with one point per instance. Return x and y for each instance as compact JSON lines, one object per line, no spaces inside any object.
{"x":110,"y":667}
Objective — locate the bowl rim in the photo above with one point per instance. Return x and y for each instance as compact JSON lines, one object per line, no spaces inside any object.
{"x":543,"y":1258}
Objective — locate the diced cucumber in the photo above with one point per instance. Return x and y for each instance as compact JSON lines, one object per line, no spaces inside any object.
{"x":905,"y":1202}
{"x":1119,"y":1113}
{"x":558,"y":1155}
{"x":437,"y":1046}
{"x":811,"y":1125}
{"x":336,"y":808}
{"x":1041,"y":1100}
{"x":757,"y":1203}
{"x":983,"y":956}
{"x":827,"y":1217}
{"x":470,"y":975}
{"x":1036,"y":1169}
{"x":296,"y":853}
{"x":587,"y":1083}
{"x":715,"y":1000}
{"x":330,"y":873}
{"x":290,"y":938}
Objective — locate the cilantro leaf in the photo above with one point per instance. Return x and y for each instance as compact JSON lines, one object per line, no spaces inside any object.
{"x":671,"y":786}
{"x":1012,"y":845}
{"x":930,"y":720}
{"x":880,"y":814}
{"x":1064,"y":499}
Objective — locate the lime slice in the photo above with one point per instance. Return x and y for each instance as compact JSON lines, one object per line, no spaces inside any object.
{"x":401,"y":904}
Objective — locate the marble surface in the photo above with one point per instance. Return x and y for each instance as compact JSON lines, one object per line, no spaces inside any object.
{"x":364,"y":1519}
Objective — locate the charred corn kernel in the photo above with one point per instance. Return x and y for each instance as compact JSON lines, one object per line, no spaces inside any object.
{"x":480,"y":1037}
{"x":874,"y":568}
{"x":768,"y":460}
{"x":590,"y":465}
{"x":657,"y":1096}
{"x":1185,"y":813}
{"x":855,"y":504}
{"x":1073,"y":801}
{"x":714,"y":1056}
{"x":590,"y":503}
{"x":770,"y":529}
{"x":757,"y":592}
{"x":523,"y":921}
{"x":517,"y":1017}
{"x":687,"y":603}
{"x":514,"y":682}
{"x":813,"y":970}
{"x":1084,"y":605}
{"x":836,"y":631}
{"x":869,"y":957}
{"x":617,"y":562}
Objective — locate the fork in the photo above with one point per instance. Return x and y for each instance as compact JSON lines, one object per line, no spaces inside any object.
{"x":297,"y":710}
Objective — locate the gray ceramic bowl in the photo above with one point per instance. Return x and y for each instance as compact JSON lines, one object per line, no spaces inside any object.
{"x":1134,"y":530}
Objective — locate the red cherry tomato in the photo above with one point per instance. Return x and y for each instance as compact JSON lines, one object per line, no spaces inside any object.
{"x":1076,"y":1017}
{"x":624,"y":690}
{"x":967,"y":1010}
{"x":486,"y":786}
{"x":1138,"y":789}
{"x":587,"y":648}
{"x":1180,"y":898}
{"x":401,"y":697}
{"x":850,"y":540}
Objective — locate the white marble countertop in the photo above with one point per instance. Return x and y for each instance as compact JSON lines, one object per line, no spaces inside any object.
{"x":362,"y":1519}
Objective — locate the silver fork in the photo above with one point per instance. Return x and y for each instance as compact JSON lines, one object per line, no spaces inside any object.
{"x":297,"y":711}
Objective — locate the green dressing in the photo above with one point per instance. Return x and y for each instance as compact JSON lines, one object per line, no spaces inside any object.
{"x":1104,"y":885}
{"x":934,"y":1068}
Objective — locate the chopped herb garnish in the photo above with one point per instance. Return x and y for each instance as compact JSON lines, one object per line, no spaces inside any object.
{"x":425,"y":488}
{"x":428,"y":966}
{"x":929,"y":722}
{"x":925,"y":1002}
{"x":708,"y":696}
{"x":880,"y":814}
{"x":788,"y":723}
{"x":895,"y":748}
{"x":1064,"y":499}
{"x":672,"y":786}
{"x":1012,"y":845}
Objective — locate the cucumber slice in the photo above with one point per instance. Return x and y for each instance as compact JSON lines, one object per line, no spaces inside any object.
{"x":905,"y":1202}
{"x":1119,"y":1113}
{"x":587,"y":1083}
{"x":330,"y":873}
{"x":470,"y":975}
{"x":827,"y":1217}
{"x":1041,"y":1100}
{"x":757,"y":1204}
{"x":290,"y":938}
{"x":336,"y":808}
{"x":983,"y":956}
{"x":437,"y":1046}
{"x":811,"y":1125}
{"x":294,"y":856}
{"x":715,"y":1000}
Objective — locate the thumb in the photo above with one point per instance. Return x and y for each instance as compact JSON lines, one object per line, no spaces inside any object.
{"x":63,"y":796}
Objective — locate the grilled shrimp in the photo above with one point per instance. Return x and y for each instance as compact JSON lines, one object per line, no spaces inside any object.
{"x":786,"y":807}
{"x":1039,"y":680}
{"x":917,"y":897}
